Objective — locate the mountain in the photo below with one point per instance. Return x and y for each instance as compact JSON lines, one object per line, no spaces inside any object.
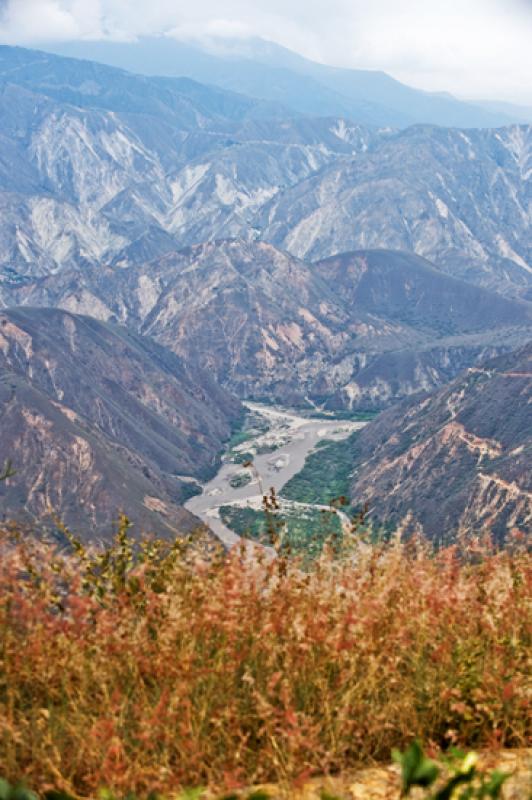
{"x":457,"y":460}
{"x":187,"y":104}
{"x":111,"y":167}
{"x":118,"y":169}
{"x":95,"y":419}
{"x":460,"y":199}
{"x":167,"y":246}
{"x":518,"y":112}
{"x":272,"y":73}
{"x":357,"y":331}
{"x":426,"y":325}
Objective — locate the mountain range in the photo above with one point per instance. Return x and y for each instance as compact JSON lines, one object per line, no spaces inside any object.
{"x":113,"y":168}
{"x":169,"y":248}
{"x":444,"y":194}
{"x":266,"y":70}
{"x":356,"y":331}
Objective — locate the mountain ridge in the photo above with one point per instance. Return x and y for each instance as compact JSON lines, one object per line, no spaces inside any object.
{"x":269,"y":71}
{"x":457,"y":461}
{"x":435,"y":192}
{"x":179,"y":167}
{"x":266,"y":324}
{"x":251,"y":254}
{"x":96,"y":419}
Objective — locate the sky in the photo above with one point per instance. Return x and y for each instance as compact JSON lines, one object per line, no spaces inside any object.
{"x":472,"y":48}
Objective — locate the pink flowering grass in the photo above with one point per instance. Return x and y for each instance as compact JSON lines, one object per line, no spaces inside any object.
{"x":165,"y":670}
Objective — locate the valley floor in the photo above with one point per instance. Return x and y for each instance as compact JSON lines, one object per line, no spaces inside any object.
{"x":277,"y":441}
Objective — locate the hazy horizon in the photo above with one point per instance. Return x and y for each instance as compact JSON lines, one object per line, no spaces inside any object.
{"x":478,"y":52}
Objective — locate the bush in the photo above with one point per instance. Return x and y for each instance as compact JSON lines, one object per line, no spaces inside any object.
{"x":155,"y":669}
{"x":416,"y":771}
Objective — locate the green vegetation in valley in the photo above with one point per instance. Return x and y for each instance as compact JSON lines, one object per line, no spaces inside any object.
{"x":238,"y":438}
{"x":300,"y":530}
{"x":325,"y":475}
{"x":242,"y":457}
{"x":264,"y":449}
{"x":343,"y":414}
{"x":240,"y":479}
{"x":253,"y":425}
{"x":188,"y":489}
{"x":340,"y":414}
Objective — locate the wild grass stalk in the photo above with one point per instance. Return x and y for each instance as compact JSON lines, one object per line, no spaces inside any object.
{"x":156,"y":669}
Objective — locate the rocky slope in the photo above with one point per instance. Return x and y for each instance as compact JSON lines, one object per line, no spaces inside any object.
{"x":457,"y":460}
{"x":459,"y":198}
{"x":113,"y":167}
{"x":100,"y":187}
{"x":425,"y":325}
{"x":96,"y":419}
{"x":356,"y":331}
{"x":116,"y":169}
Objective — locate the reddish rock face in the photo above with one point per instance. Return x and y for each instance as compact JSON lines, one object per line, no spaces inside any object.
{"x":96,"y":419}
{"x":458,"y":460}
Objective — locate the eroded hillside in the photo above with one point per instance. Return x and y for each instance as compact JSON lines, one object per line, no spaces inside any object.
{"x":458,"y":460}
{"x":96,"y":419}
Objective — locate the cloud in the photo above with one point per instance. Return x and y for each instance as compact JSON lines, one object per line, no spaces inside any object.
{"x":469,"y":47}
{"x":30,"y":21}
{"x":477,"y":48}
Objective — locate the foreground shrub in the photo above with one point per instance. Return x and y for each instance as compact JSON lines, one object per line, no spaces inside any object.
{"x":465,"y":782}
{"x":153,"y":670}
{"x":462,"y":781}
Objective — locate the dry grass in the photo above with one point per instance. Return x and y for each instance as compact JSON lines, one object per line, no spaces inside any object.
{"x":172,"y":672}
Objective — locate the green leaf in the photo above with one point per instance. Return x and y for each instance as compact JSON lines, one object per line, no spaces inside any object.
{"x":191,"y":793}
{"x":106,"y":794}
{"x":416,"y":769}
{"x":21,"y":792}
{"x":447,"y":791}
{"x":5,"y":789}
{"x":494,"y":785}
{"x":426,"y":773}
{"x":467,"y":794}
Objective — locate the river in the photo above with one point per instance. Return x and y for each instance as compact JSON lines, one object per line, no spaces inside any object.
{"x":294,"y":437}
